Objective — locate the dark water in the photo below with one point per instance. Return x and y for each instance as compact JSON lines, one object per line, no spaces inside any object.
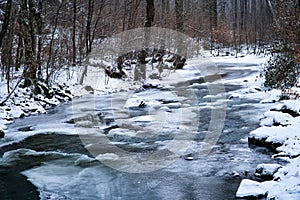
{"x":55,"y":157}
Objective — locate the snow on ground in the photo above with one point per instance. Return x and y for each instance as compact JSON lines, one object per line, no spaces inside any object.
{"x":251,"y":189}
{"x":266,"y":171}
{"x":249,"y":60}
{"x":279,"y":125}
{"x":23,"y":103}
{"x":279,"y":130}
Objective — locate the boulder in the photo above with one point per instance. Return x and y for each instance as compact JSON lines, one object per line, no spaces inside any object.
{"x":251,"y":189}
{"x":2,"y":134}
{"x":274,"y":118}
{"x":266,"y":171}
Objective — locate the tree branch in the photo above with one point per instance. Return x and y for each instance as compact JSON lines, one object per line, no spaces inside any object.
{"x":8,"y":96}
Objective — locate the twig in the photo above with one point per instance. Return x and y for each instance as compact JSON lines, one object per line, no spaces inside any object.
{"x":8,"y":96}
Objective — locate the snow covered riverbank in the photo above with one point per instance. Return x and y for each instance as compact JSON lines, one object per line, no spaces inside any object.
{"x":41,"y":139}
{"x":22,"y":102}
{"x":278,"y":131}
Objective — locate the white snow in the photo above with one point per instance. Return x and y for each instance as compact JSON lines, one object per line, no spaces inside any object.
{"x":145,"y":118}
{"x":121,"y":132}
{"x":249,"y":59}
{"x":276,"y":127}
{"x":288,"y":137}
{"x":235,"y":95}
{"x":293,"y":105}
{"x":286,"y":183}
{"x":276,"y":118}
{"x":107,"y":156}
{"x":249,"y":188}
{"x":267,"y":169}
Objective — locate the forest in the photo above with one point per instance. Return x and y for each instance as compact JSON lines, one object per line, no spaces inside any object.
{"x":149,"y":99}
{"x":40,"y":37}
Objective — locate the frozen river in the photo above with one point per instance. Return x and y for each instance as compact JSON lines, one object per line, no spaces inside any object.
{"x":114,"y":147}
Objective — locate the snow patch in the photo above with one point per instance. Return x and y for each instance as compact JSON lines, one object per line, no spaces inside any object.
{"x":273,"y":118}
{"x":266,"y":170}
{"x":251,"y":189}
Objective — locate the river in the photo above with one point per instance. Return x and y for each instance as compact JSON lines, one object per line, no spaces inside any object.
{"x":52,"y":156}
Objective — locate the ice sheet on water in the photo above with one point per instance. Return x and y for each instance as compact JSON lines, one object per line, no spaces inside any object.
{"x":13,"y":156}
{"x":121,"y":132}
{"x":62,"y":179}
{"x":107,"y":156}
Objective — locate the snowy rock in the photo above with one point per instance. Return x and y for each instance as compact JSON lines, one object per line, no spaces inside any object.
{"x":118,"y":132}
{"x":2,"y":134}
{"x":166,"y":109}
{"x":281,"y":139}
{"x":189,"y":157}
{"x":277,"y":107}
{"x":288,"y":106}
{"x":266,"y":101}
{"x":273,"y":118}
{"x":235,"y":174}
{"x":291,"y":146}
{"x":134,"y":102}
{"x":292,"y":107}
{"x":17,"y":112}
{"x":266,"y":171}
{"x":85,"y":161}
{"x":252,"y":89}
{"x":288,"y":185}
{"x":144,"y":119}
{"x":235,"y":95}
{"x":251,"y":189}
{"x":173,"y":105}
{"x":107,"y":156}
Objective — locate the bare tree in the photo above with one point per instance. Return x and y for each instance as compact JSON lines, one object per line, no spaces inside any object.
{"x":5,"y":21}
{"x":179,"y":15}
{"x":179,"y":26}
{"x":74,"y":32}
{"x":133,"y":14}
{"x":150,"y":13}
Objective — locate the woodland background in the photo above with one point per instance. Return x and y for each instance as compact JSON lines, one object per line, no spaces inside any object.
{"x":42,"y":36}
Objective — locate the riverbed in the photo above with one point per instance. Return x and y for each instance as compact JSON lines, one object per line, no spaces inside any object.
{"x":110,"y":146}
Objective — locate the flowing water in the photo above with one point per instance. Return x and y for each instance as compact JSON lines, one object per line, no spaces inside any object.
{"x":52,"y":156}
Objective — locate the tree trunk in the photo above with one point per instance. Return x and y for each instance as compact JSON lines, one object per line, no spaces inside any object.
{"x":179,"y":15}
{"x":88,"y":34}
{"x":133,"y":14}
{"x":51,"y":46}
{"x":150,"y":12}
{"x":180,"y":27}
{"x":5,"y":21}
{"x":125,"y":14}
{"x":29,"y":39}
{"x":213,"y":14}
{"x":39,"y":22}
{"x":100,"y":8}
{"x":270,"y":6}
{"x":235,"y":26}
{"x":74,"y":32}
